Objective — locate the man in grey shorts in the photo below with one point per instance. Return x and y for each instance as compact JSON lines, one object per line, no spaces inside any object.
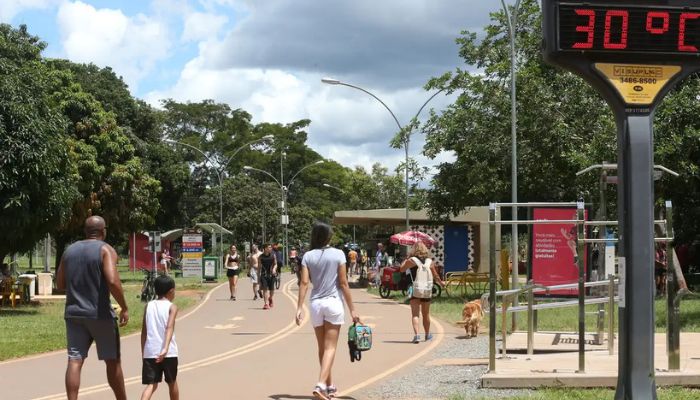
{"x":88,"y":273}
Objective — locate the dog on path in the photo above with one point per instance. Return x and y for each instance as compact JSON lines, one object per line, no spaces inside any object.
{"x":472,"y":313}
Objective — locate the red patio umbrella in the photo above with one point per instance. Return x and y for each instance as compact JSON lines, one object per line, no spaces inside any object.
{"x":410,"y":238}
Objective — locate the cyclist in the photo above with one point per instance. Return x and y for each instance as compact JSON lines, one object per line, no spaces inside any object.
{"x":293,"y":261}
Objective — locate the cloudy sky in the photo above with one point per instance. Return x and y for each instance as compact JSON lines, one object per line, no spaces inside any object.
{"x":268,"y":57}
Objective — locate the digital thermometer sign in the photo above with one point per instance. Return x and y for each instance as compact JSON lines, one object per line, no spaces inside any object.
{"x":632,"y":52}
{"x":629,"y":29}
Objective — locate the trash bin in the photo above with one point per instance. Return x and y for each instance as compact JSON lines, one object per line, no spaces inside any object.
{"x":210,"y":272}
{"x":29,"y":283}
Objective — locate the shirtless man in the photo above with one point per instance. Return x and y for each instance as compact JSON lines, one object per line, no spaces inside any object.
{"x":253,"y":261}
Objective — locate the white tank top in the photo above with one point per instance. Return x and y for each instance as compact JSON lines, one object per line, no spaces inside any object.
{"x":157,"y":314}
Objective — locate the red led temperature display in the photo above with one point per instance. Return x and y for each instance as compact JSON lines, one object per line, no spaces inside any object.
{"x":628,"y":29}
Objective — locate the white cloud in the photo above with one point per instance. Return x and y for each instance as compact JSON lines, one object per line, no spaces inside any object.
{"x":202,"y":26}
{"x":10,"y":8}
{"x":271,"y":62}
{"x":132,"y":46}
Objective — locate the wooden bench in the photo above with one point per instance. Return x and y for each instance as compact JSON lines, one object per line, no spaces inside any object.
{"x":462,"y":283}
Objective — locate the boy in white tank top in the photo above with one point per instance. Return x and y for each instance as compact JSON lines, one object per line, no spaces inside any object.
{"x":158,"y":346}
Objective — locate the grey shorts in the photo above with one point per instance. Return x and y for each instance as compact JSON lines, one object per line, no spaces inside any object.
{"x":81,"y":332}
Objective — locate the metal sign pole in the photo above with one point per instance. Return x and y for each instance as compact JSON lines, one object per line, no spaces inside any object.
{"x":492,"y":287}
{"x":580,"y":256}
{"x":636,"y":375}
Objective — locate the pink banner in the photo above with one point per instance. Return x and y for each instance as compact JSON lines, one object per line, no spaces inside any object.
{"x":554,"y":250}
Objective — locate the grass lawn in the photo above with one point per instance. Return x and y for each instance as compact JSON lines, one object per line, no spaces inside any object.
{"x":38,"y":328}
{"x":449,"y":309}
{"x":671,"y":393}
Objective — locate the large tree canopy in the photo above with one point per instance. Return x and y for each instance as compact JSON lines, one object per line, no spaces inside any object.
{"x":563,"y":127}
{"x":77,"y":143}
{"x":37,"y":179}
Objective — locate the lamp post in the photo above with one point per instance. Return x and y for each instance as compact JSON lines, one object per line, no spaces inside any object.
{"x":220,"y":173}
{"x":284,"y":189}
{"x":407,"y":134}
{"x":512,"y":20}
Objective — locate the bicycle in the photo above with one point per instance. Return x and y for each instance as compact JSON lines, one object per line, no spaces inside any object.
{"x":148,"y":291}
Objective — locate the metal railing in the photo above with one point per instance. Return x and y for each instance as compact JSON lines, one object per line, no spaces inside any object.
{"x":674,"y":296}
{"x":530,"y":289}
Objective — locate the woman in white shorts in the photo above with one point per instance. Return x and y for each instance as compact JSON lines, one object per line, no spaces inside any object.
{"x":325,"y":267}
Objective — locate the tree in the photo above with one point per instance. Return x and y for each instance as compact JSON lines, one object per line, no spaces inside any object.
{"x":114,"y":182}
{"x":37,"y":178}
{"x":677,"y":146}
{"x":563,"y":127}
{"x":556,"y":137}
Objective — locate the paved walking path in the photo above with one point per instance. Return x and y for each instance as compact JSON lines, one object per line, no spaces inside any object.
{"x":237,"y":350}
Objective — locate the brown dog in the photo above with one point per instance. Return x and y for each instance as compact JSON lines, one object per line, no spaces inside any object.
{"x":472,"y":313}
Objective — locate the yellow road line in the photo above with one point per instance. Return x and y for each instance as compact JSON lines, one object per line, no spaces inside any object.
{"x":435,"y":342}
{"x":63,"y":351}
{"x":275,"y":337}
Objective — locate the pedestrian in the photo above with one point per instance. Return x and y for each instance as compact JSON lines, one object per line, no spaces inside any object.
{"x":352,"y":261}
{"x":325,"y":267}
{"x":88,"y":273}
{"x":254,"y":270}
{"x":165,"y":260}
{"x":380,"y":261}
{"x":232,"y":263}
{"x":268,"y":272}
{"x":278,"y":256}
{"x":158,"y":345}
{"x":660,"y":268}
{"x":420,"y":306}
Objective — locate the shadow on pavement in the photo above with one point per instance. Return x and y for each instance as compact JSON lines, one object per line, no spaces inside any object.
{"x":249,"y":333}
{"x":302,"y":397}
{"x":380,"y":302}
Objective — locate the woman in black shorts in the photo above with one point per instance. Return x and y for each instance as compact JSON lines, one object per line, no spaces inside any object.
{"x":231,"y":261}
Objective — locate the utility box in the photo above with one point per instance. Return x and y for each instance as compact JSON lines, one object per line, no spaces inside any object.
{"x":44,"y":283}
{"x":210,"y":272}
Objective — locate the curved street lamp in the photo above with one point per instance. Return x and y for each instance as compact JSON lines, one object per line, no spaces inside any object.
{"x":284,"y":189}
{"x":220,"y":172}
{"x":512,"y":22}
{"x":406,"y":133}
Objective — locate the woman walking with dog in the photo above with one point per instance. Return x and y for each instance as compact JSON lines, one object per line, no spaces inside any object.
{"x":423,"y":273}
{"x":325,"y":267}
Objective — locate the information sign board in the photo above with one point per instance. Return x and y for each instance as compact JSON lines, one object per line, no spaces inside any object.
{"x":192,"y":252}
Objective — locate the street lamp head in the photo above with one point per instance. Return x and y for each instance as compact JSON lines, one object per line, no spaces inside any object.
{"x":319,"y":162}
{"x":247,"y":167}
{"x":330,"y":81}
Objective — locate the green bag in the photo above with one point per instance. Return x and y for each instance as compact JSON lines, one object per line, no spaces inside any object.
{"x":359,"y":340}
